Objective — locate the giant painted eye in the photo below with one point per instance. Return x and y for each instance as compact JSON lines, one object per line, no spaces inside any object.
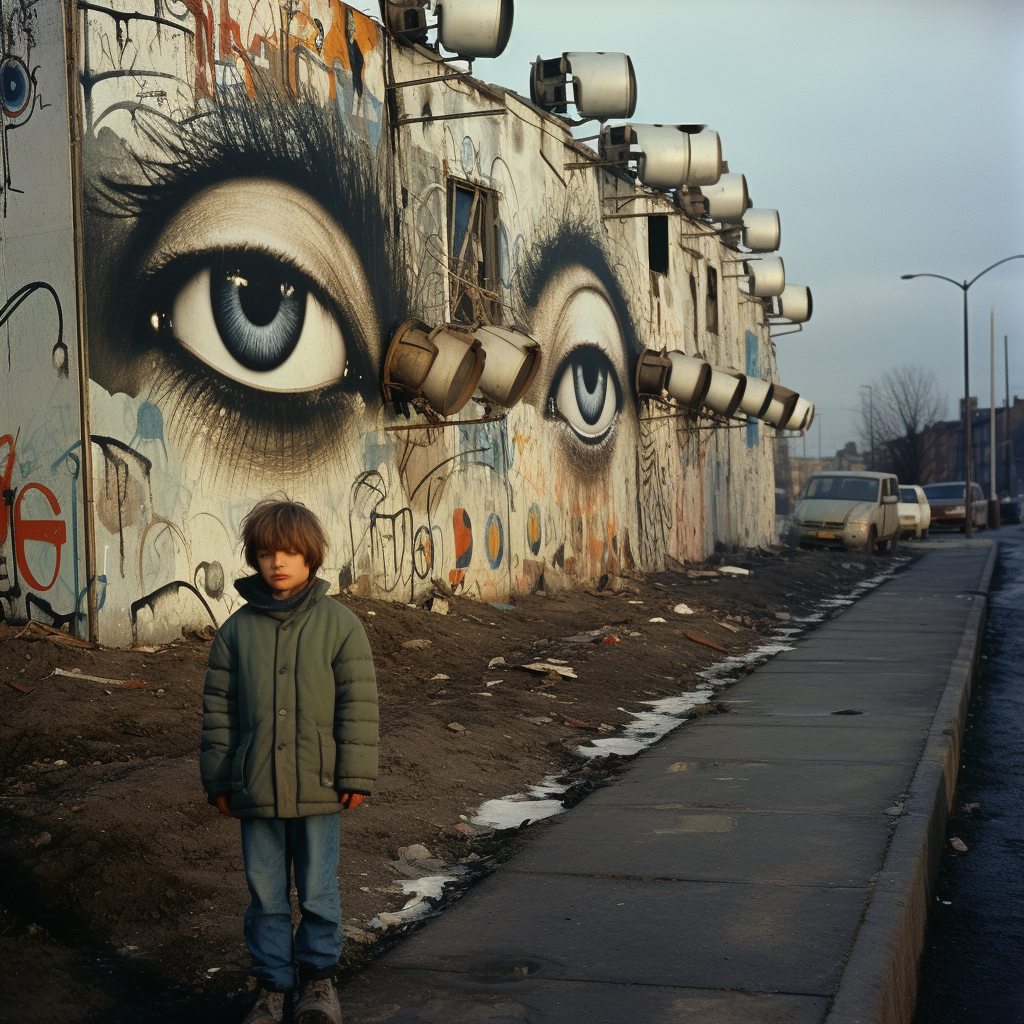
{"x":575,"y":318}
{"x":15,"y":86}
{"x":256,"y":279}
{"x":258,"y":310}
{"x":585,"y":393}
{"x":255,"y":320}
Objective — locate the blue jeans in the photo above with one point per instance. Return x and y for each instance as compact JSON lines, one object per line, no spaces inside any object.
{"x":272,"y":848}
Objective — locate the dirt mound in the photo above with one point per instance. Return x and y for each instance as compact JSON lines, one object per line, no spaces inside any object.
{"x":122,"y":890}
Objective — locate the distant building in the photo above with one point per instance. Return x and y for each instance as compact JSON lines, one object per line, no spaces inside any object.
{"x":791,"y":473}
{"x":945,"y":448}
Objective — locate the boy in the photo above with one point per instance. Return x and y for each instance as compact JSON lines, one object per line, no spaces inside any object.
{"x":289,"y":739}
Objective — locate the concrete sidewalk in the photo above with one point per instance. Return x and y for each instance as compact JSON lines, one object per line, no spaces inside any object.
{"x":771,"y":864}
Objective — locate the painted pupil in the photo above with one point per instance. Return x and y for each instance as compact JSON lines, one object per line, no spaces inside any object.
{"x":258,"y":309}
{"x":15,"y":86}
{"x":590,"y":383}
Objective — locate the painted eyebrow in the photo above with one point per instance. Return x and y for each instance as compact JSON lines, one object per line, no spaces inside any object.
{"x":576,"y":243}
{"x":300,"y":142}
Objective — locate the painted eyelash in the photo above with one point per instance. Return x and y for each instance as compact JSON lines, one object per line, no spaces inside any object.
{"x":289,"y":435}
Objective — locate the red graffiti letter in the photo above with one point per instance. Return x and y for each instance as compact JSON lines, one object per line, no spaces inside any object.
{"x":46,"y":531}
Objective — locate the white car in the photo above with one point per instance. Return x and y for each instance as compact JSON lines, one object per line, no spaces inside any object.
{"x":914,"y":511}
{"x":843,"y":509}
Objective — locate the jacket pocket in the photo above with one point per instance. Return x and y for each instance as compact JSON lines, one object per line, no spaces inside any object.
{"x":240,"y":765}
{"x":328,"y":754}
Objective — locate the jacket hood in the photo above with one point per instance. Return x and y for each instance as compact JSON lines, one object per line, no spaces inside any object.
{"x":256,"y":592}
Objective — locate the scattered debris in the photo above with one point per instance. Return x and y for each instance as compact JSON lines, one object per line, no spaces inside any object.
{"x":733,"y":570}
{"x":545,"y":667}
{"x":707,"y":643}
{"x":416,"y":645}
{"x":206,"y":634}
{"x":128,"y":684}
{"x":783,"y":616}
{"x":495,"y":661}
{"x":575,"y":723}
{"x":958,"y":844}
{"x":24,"y":689}
{"x":657,"y":618}
{"x":440,"y":678}
{"x":439,"y":605}
{"x":729,"y":626}
{"x":539,"y":720}
{"x":455,"y":727}
{"x":40,"y":631}
{"x":610,"y":640}
{"x":442,"y":588}
{"x":493,"y":682}
{"x":683,"y":609}
{"x":502,"y":607}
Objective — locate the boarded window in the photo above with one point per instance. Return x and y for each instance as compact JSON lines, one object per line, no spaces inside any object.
{"x":711,"y":302}
{"x":657,"y":244}
{"x":473,"y":253}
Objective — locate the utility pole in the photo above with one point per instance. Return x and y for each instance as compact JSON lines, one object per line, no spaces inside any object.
{"x":993,"y":494}
{"x":1006,"y":413}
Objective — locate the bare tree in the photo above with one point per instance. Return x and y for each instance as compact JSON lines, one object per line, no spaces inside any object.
{"x":896,"y":409}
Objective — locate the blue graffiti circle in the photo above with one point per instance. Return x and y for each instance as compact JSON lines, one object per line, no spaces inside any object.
{"x":15,"y":85}
{"x":468,"y":155}
{"x":495,"y":537}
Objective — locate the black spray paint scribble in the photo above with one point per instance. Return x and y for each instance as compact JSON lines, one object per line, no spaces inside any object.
{"x":60,"y":350}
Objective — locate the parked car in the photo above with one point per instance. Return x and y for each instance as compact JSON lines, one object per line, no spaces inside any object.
{"x":843,"y":509}
{"x":949,"y":508}
{"x":914,"y":511}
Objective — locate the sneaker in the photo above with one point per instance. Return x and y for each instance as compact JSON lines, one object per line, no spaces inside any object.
{"x":318,"y":1003}
{"x":269,"y":1008}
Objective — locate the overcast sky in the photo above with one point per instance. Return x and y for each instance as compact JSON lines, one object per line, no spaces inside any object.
{"x":890,"y":137}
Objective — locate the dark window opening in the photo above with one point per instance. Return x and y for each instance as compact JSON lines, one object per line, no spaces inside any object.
{"x":657,"y":244}
{"x":473,"y":253}
{"x":711,"y":302}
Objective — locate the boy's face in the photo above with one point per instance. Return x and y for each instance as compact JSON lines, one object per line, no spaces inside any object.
{"x":285,"y":572}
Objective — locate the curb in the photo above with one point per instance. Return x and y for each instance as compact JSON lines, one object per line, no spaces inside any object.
{"x":878,"y":985}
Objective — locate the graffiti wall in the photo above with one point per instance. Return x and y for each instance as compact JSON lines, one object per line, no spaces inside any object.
{"x":42,"y":574}
{"x":266,"y":198}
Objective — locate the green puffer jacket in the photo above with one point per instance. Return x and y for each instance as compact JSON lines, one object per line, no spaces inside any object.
{"x":289,"y":707}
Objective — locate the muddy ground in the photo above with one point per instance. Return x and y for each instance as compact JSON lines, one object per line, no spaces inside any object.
{"x":121,"y":890}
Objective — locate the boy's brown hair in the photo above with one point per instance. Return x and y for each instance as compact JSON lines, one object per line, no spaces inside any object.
{"x":284,"y":526}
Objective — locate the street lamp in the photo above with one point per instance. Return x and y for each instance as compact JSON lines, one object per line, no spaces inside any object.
{"x":871,"y":422}
{"x":964,"y":286}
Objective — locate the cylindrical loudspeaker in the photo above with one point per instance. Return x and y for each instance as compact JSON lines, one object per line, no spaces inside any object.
{"x":604,"y":84}
{"x":725,"y":392}
{"x":798,"y":418}
{"x":455,"y":372}
{"x":761,"y":230}
{"x":781,"y":407}
{"x":511,"y":363}
{"x":664,"y":161}
{"x":795,"y":303}
{"x":652,"y":372}
{"x":727,"y":200}
{"x":705,"y":158}
{"x":767,"y":276}
{"x":689,"y":379}
{"x":756,"y":396}
{"x":474,"y":28}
